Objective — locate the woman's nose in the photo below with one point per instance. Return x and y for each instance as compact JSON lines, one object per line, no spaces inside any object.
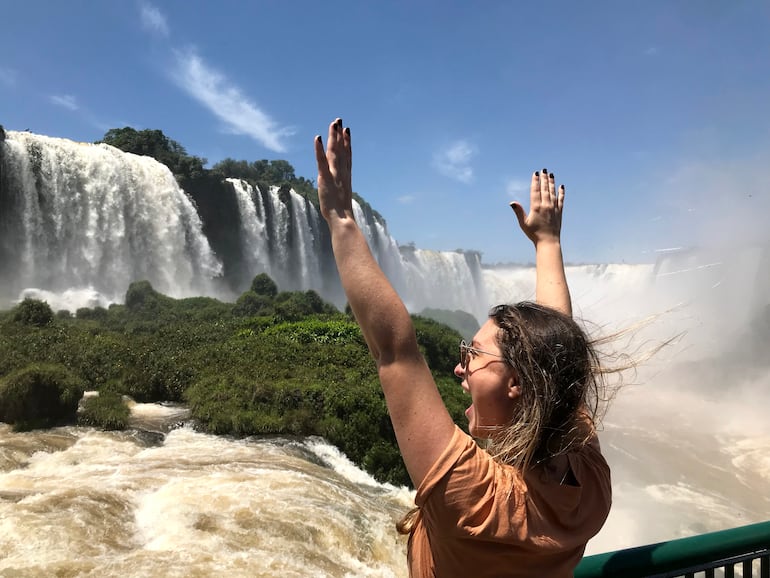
{"x":459,"y":371}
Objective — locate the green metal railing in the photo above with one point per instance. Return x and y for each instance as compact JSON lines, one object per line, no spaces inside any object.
{"x":743,"y":551}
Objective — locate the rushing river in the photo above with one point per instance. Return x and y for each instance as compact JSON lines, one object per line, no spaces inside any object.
{"x":79,"y":502}
{"x":165,"y":500}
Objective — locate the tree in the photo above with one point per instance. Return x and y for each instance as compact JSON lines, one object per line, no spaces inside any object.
{"x":33,"y":312}
{"x":155,"y":144}
{"x":233,"y":169}
{"x":250,"y":304}
{"x":141,"y":296}
{"x":263,"y":284}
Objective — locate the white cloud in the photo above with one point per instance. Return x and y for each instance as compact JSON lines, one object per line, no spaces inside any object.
{"x":517,"y":187}
{"x":406,"y":199}
{"x":226,"y":101}
{"x":65,"y":101}
{"x":7,"y":76}
{"x":453,"y":161}
{"x":153,"y":20}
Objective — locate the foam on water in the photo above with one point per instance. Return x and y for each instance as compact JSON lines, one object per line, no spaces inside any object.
{"x":104,"y":505}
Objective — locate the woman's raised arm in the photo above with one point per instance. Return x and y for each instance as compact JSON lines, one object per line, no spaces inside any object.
{"x":543,"y":227}
{"x":421,"y":422}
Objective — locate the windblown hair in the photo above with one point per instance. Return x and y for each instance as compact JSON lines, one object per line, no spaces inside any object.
{"x":562,"y":382}
{"x":560,"y":378}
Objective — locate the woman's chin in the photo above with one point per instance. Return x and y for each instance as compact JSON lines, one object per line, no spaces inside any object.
{"x":473,"y":427}
{"x":469,"y":414}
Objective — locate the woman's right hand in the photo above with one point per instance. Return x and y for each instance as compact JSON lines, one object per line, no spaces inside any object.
{"x":543,"y":223}
{"x":335,"y":190}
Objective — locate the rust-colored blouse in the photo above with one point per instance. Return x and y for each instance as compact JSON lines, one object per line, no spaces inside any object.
{"x":479,"y":518}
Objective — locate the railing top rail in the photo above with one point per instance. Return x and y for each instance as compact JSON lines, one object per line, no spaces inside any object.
{"x":677,"y":554}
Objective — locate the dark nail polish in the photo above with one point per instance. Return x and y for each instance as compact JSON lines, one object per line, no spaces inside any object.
{"x":551,"y":175}
{"x":537,"y":173}
{"x":336,"y":127}
{"x":347,"y":131}
{"x":545,"y":171}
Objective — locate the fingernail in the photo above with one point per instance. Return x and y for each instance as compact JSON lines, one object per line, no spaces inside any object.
{"x":347,"y":131}
{"x":336,"y":126}
{"x":551,"y":175}
{"x":545,"y":171}
{"x":318,"y":137}
{"x":537,"y":173}
{"x":339,"y":121}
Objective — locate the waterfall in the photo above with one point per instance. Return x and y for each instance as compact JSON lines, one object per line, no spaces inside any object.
{"x":82,"y":216}
{"x":80,"y":222}
{"x":298,"y":256}
{"x":253,"y":234}
{"x":307,"y":249}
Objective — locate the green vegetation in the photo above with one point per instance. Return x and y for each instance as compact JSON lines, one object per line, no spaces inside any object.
{"x":153,"y":143}
{"x":192,"y":176}
{"x":106,"y":410}
{"x":39,"y":395}
{"x":33,"y":312}
{"x":265,"y":173}
{"x":272,"y":363}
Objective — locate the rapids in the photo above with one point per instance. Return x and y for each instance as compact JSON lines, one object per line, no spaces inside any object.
{"x":79,"y":502}
{"x":164,"y":500}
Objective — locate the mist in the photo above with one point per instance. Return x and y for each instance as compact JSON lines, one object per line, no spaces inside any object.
{"x":688,"y":435}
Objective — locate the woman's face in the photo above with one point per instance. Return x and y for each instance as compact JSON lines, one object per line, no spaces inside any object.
{"x":491,"y":383}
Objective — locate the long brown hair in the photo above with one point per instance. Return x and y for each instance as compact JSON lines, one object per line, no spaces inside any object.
{"x":560,"y":378}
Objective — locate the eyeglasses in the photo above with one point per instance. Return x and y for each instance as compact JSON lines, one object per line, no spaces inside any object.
{"x":465,"y":351}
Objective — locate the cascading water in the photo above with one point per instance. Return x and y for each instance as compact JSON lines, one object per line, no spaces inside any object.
{"x":253,"y":233}
{"x":81,"y":222}
{"x":82,"y":216}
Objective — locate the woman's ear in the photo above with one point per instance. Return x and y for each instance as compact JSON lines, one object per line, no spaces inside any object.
{"x":514,"y":389}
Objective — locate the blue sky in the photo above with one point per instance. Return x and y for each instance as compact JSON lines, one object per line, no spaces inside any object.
{"x":655,"y":114}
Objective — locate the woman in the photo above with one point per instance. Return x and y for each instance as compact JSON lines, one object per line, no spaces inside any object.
{"x":527,"y":503}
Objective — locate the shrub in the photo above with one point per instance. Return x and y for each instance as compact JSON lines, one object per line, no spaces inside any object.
{"x":33,"y":312}
{"x":141,"y":297}
{"x":97,"y":313}
{"x":251,"y":304}
{"x":317,"y":331}
{"x":438,"y":343}
{"x":296,"y":305}
{"x":106,"y":410}
{"x":384,"y":462}
{"x":39,"y":396}
{"x":262,"y":284}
